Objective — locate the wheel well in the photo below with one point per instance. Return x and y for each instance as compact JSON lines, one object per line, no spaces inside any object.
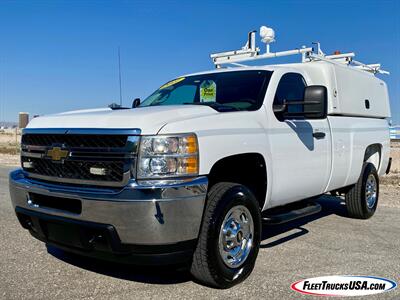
{"x":248,"y":169}
{"x":373,"y":155}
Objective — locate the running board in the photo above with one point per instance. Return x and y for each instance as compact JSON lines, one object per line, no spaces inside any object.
{"x":279,"y":218}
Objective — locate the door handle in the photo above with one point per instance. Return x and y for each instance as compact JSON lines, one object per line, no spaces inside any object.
{"x":318,"y":135}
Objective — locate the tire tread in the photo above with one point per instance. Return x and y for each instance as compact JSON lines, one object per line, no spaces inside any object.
{"x":354,"y":197}
{"x":201,"y":269}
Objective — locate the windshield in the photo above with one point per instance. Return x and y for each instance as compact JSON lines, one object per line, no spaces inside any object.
{"x":225,"y":91}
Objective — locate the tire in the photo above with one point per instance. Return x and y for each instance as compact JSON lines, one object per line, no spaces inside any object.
{"x":209,"y":266}
{"x":359,"y":205}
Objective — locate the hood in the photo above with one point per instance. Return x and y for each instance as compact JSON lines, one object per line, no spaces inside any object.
{"x":149,"y":119}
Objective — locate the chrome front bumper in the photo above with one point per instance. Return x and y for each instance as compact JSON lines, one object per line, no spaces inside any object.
{"x":153,"y":213}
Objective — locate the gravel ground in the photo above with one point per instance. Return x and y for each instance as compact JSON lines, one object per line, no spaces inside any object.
{"x":328,"y":243}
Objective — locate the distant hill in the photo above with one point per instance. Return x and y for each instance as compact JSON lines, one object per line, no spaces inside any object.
{"x":8,"y":124}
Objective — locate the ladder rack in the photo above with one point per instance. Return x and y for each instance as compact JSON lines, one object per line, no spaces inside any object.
{"x":249,"y":52}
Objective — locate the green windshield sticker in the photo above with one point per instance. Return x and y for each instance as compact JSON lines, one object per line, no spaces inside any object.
{"x":208,"y":91}
{"x":172,"y":82}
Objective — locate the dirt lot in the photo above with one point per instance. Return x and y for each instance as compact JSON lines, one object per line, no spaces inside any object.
{"x":9,"y":140}
{"x":394,"y":176}
{"x":9,"y":147}
{"x":327,"y":243}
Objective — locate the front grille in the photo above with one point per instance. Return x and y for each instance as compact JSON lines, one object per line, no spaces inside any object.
{"x":73,"y":140}
{"x":79,"y":169}
{"x":112,"y":154}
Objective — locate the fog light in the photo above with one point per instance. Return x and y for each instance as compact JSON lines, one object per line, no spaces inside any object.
{"x":27,"y":165}
{"x":98,"y":171}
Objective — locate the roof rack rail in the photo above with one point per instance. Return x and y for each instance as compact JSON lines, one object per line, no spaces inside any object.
{"x":250,"y":52}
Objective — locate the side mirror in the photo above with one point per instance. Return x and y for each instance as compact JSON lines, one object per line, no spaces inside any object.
{"x":136,"y":103}
{"x":314,"y":104}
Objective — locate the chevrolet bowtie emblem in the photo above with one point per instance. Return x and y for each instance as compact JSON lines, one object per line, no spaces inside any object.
{"x":56,"y":153}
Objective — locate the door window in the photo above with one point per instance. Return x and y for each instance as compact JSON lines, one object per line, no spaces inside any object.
{"x":290,"y":88}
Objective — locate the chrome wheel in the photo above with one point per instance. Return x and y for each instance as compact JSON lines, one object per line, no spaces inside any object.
{"x":370,"y":191}
{"x":236,"y":236}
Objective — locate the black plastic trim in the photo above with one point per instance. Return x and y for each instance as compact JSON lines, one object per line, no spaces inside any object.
{"x":290,"y":215}
{"x":389,"y":166}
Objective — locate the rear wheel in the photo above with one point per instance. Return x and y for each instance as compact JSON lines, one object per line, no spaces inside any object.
{"x":362,"y":198}
{"x":229,"y":238}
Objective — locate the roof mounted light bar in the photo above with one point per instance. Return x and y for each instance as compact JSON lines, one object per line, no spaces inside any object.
{"x":250,"y":52}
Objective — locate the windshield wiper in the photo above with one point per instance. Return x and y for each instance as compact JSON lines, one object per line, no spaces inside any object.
{"x":215,"y":105}
{"x":115,"y":106}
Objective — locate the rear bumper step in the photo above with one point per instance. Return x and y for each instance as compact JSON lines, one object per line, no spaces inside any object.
{"x":290,"y":215}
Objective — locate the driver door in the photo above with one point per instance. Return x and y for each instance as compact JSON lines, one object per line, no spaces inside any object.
{"x":300,"y":157}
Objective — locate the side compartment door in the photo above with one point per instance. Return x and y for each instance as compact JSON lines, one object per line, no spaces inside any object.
{"x":300,"y":147}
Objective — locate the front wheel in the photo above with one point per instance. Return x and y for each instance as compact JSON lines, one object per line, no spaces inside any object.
{"x":230,"y":235}
{"x":362,"y":198}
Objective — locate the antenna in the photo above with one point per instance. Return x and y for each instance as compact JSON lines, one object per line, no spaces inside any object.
{"x":267,"y":36}
{"x":119,"y":73}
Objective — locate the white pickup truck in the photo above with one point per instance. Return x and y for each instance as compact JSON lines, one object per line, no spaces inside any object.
{"x":190,"y":173}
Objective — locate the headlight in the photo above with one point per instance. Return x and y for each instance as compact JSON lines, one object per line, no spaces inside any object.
{"x":168,"y":156}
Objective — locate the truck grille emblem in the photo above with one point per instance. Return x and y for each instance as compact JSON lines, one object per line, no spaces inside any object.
{"x":56,"y":153}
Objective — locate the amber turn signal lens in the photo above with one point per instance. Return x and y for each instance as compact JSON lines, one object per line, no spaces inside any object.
{"x":192,"y":165}
{"x":191,"y":144}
